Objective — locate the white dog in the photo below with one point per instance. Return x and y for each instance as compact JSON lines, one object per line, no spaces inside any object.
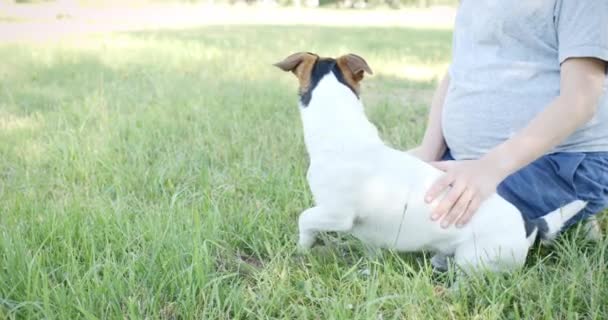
{"x":376,"y":193}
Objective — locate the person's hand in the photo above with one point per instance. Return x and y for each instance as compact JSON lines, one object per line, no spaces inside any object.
{"x":471,"y":183}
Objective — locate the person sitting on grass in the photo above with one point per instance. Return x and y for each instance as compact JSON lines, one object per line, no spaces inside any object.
{"x":522,"y":109}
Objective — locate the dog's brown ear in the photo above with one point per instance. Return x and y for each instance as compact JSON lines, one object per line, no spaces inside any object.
{"x":291,"y":62}
{"x":354,"y":66}
{"x":301,"y":65}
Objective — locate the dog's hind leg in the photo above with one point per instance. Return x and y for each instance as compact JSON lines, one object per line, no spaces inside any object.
{"x":319,"y":219}
{"x":491,"y":255}
{"x":474,"y":258}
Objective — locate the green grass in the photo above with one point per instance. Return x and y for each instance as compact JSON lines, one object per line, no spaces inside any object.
{"x":160,"y":175}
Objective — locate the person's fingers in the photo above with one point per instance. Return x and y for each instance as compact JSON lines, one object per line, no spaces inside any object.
{"x":460,"y":205}
{"x":439,"y":187}
{"x":450,"y":199}
{"x":472,"y":208}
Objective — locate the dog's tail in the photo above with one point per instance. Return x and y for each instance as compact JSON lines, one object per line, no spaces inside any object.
{"x":548,"y":227}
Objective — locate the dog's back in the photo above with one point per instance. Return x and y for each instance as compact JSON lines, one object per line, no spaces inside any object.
{"x":387,"y":191}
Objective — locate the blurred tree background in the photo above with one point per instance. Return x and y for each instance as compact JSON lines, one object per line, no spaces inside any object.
{"x":355,"y":4}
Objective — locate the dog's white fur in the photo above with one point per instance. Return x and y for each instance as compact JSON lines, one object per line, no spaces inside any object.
{"x":376,"y":193}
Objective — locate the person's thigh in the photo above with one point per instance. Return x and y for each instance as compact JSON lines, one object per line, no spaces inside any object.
{"x":557,"y":179}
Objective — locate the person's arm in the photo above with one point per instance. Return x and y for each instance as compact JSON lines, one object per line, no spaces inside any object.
{"x":582,"y":82}
{"x":433,"y":145}
{"x":581,"y":87}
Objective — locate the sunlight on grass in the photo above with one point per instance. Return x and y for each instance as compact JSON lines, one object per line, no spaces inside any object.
{"x":10,"y":122}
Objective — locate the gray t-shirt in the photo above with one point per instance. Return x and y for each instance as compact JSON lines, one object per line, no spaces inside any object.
{"x":506,"y":69}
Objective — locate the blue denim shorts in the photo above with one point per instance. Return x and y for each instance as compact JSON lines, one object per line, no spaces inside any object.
{"x":555,"y":180}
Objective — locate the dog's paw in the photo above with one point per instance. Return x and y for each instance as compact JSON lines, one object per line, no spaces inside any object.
{"x":302,"y":249}
{"x":305,"y":243}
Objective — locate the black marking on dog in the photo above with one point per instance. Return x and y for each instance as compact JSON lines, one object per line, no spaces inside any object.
{"x":530,"y":227}
{"x":543,"y":228}
{"x":321,"y":68}
{"x":536,"y":224}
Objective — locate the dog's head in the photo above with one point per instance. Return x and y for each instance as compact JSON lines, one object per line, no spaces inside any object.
{"x":310,"y":69}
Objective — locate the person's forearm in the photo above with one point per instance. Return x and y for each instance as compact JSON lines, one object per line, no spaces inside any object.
{"x":559,"y":120}
{"x":433,"y":143}
{"x":581,"y":91}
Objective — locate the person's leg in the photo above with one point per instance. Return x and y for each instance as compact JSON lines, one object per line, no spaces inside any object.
{"x":557,"y":179}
